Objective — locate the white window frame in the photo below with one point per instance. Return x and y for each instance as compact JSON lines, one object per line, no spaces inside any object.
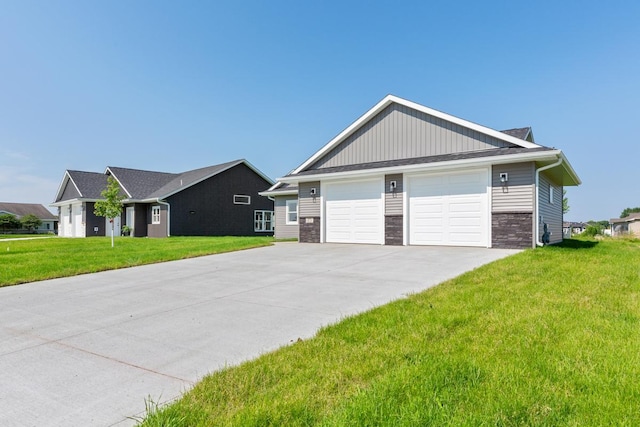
{"x":155,"y":214}
{"x":241,"y":199}
{"x":289,"y":211}
{"x":260,"y":221}
{"x":550,"y":194}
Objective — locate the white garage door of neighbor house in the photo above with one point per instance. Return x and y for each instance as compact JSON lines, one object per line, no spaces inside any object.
{"x":449,"y":209}
{"x":353,"y":212}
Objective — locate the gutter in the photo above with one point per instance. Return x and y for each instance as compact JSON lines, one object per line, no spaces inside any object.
{"x":168,"y":216}
{"x":541,"y":169}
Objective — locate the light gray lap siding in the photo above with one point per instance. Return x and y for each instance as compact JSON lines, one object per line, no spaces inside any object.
{"x":308,"y":205}
{"x":399,"y":132}
{"x":284,"y":231}
{"x":393,"y":199}
{"x":518,"y":193}
{"x":551,"y":213}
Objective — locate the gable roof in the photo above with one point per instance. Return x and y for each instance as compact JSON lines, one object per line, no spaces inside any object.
{"x":22,"y":209}
{"x":391,"y":99}
{"x":144,"y":186}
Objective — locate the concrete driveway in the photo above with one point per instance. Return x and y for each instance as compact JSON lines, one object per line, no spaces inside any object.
{"x":88,"y":350}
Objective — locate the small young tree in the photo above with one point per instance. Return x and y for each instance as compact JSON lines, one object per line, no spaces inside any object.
{"x":111,"y":206}
{"x":9,"y":221}
{"x":30,"y":222}
{"x":565,"y":202}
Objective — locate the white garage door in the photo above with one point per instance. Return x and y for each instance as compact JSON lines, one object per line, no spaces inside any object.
{"x":353,"y":212}
{"x":448,"y":209}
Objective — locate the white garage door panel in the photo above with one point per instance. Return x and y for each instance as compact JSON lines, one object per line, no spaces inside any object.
{"x":448,"y":209}
{"x":354,"y":212}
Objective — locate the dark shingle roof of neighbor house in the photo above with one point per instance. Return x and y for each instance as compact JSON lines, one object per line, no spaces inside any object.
{"x":421,"y":160}
{"x":90,"y":184}
{"x":520,"y":133}
{"x":189,"y":178}
{"x":22,"y":209}
{"x":145,"y":185}
{"x":139,"y":183}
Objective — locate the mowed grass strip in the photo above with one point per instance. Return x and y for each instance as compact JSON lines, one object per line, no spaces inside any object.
{"x":31,"y":260}
{"x":547,"y":337}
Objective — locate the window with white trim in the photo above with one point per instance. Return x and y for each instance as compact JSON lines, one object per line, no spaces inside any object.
{"x":550,"y":194}
{"x":292,"y":212}
{"x":263,"y":221}
{"x":155,"y":214}
{"x":241,"y":199}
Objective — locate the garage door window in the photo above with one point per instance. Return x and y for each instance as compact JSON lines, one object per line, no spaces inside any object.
{"x":263,"y":221}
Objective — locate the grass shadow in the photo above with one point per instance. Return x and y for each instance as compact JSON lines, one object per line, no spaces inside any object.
{"x":577,"y":244}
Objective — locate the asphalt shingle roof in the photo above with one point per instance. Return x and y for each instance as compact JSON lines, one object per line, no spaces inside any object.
{"x":90,"y":184}
{"x":22,"y":209}
{"x":420,"y":160}
{"x":520,"y":133}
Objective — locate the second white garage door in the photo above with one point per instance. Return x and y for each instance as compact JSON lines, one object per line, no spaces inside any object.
{"x":353,"y":212}
{"x":449,"y":209}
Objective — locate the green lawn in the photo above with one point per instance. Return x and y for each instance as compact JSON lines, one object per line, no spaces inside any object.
{"x":548,"y":337}
{"x":30,"y":260}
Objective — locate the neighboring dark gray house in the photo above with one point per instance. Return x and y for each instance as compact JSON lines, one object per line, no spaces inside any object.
{"x":405,"y":174}
{"x":220,"y":200}
{"x":49,"y":220}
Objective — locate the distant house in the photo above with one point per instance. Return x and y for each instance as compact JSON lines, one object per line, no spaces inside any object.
{"x":406,"y":174}
{"x":49,"y":220}
{"x":571,"y":228}
{"x":626,"y":225}
{"x":219,"y":200}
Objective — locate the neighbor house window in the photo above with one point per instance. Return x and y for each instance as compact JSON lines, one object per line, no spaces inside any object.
{"x":155,"y":214}
{"x":292,"y":212}
{"x":241,"y":199}
{"x":263,"y":221}
{"x":550,"y":194}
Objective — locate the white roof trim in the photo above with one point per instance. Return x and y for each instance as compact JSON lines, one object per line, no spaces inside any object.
{"x":269,"y":193}
{"x":495,"y":160}
{"x":66,"y":176}
{"x":388,"y":100}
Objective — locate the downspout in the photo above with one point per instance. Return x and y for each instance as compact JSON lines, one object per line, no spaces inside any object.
{"x":168,"y":216}
{"x":543,"y":168}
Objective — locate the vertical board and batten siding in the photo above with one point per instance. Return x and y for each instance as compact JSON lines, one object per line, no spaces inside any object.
{"x":518,"y":195}
{"x":308,"y":206}
{"x":399,"y":132}
{"x":551,"y":213}
{"x":393,"y":201}
{"x":284,"y":231}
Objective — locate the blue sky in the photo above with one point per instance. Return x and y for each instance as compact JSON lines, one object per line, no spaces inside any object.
{"x":173,"y":86}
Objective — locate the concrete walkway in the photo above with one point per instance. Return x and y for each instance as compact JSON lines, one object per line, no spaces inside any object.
{"x":88,"y":350}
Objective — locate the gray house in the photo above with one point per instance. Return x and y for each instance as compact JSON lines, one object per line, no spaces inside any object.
{"x":405,"y":174}
{"x":49,"y":220}
{"x":219,"y":200}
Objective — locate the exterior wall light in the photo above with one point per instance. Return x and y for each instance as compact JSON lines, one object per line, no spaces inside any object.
{"x":392,"y":186}
{"x":312,"y":192}
{"x":504,"y":177}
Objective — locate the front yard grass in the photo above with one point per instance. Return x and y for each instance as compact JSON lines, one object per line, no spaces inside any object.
{"x":549,"y":336}
{"x":30,"y":260}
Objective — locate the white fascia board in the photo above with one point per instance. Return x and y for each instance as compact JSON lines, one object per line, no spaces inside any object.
{"x":65,"y":177}
{"x":116,"y":178}
{"x":426,"y":167}
{"x":72,"y":201}
{"x":570,"y":171}
{"x":278,"y":193}
{"x":389,"y":99}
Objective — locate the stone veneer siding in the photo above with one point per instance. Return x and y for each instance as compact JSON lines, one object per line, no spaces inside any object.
{"x":393,"y":230}
{"x":512,"y":230}
{"x":309,"y":229}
